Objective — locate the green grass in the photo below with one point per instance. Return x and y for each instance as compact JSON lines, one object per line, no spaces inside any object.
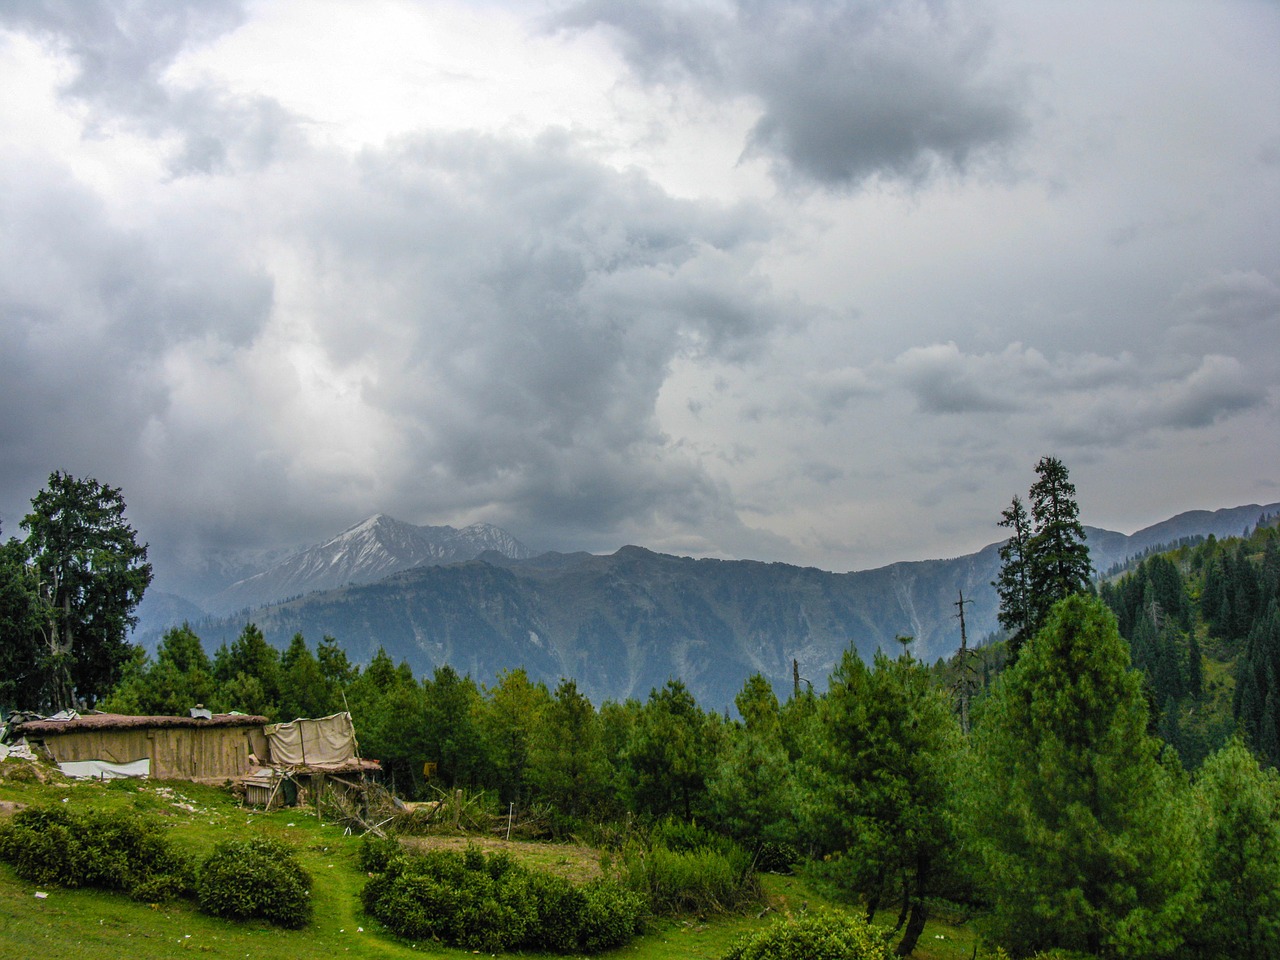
{"x":92,"y":925}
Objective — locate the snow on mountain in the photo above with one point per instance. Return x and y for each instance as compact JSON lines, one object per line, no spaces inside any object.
{"x":370,"y":550}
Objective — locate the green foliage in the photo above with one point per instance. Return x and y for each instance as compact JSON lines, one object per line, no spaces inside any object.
{"x":749,"y":788}
{"x":257,"y":878}
{"x":668,"y":754}
{"x":377,"y":853}
{"x":823,"y":935}
{"x":249,"y":673}
{"x":109,"y":851}
{"x":566,"y":760}
{"x":1239,"y":826}
{"x":451,"y":734}
{"x":181,"y":677}
{"x":492,"y":903}
{"x":509,"y":718}
{"x":304,"y":689}
{"x":1084,"y":837}
{"x":691,"y":877}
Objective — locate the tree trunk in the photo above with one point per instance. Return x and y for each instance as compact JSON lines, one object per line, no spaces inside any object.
{"x":915,"y":925}
{"x":906,"y":903}
{"x":873,"y":901}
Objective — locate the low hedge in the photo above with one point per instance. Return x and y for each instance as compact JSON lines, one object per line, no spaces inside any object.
{"x":493,"y":903}
{"x":108,"y":851}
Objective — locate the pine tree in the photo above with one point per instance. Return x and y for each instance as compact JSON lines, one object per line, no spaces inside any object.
{"x":888,"y":750}
{"x":748,"y":790}
{"x":91,"y":573}
{"x":1084,"y":837}
{"x":1014,"y":583}
{"x":1045,"y":557}
{"x":1058,"y":559}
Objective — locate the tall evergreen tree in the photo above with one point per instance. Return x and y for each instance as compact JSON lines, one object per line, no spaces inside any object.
{"x":512,"y":710}
{"x":568,"y":765}
{"x":1014,"y":583}
{"x":668,"y":755}
{"x":1043,"y":560}
{"x":22,"y":617}
{"x":1084,"y":837}
{"x":1059,"y":563}
{"x":91,"y":573}
{"x":748,"y":789}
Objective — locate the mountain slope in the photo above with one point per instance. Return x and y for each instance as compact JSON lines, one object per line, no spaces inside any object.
{"x":368,"y":551}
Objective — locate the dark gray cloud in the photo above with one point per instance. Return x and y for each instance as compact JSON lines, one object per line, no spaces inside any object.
{"x":538,"y":301}
{"x":899,"y":89}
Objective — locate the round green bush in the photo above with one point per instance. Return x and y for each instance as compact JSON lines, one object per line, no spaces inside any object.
{"x":259,"y":878}
{"x":823,"y":935}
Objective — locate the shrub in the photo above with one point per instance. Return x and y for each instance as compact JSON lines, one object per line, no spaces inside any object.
{"x":495,"y":904}
{"x":376,"y":853}
{"x":817,"y":936}
{"x":611,"y":915}
{"x":110,"y":851}
{"x":259,"y":878}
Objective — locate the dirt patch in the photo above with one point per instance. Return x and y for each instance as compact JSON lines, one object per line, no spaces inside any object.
{"x":9,"y":807}
{"x":574,"y":862}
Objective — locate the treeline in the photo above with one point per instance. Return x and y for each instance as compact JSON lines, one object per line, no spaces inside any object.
{"x":1213,"y":606}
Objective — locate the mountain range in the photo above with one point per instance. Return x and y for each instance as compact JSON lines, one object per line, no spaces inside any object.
{"x":625,"y":623}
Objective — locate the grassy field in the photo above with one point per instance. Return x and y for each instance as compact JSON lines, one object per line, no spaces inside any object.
{"x":90,"y":925}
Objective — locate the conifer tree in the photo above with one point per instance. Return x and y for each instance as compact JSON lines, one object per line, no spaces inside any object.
{"x":888,"y":747}
{"x":1045,"y":557}
{"x":1058,"y":558}
{"x":1083,"y":836}
{"x":567,"y":762}
{"x":748,"y":789}
{"x":1014,"y":583}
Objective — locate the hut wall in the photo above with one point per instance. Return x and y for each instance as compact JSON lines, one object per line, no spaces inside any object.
{"x":116,"y":746}
{"x":176,"y":753}
{"x":197,"y":753}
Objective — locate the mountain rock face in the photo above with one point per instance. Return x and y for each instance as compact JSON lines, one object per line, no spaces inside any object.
{"x":368,"y":551}
{"x":623,"y":624}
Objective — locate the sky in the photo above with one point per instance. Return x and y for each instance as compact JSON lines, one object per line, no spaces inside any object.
{"x":808,"y":281}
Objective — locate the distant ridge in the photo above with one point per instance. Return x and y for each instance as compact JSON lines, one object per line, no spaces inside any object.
{"x":371,"y":549}
{"x":622,"y":624}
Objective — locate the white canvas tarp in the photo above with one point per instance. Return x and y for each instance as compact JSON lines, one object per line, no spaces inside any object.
{"x":312,"y":742}
{"x":105,"y":769}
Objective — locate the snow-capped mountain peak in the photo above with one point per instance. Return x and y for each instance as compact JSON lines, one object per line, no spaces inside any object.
{"x":376,"y":547}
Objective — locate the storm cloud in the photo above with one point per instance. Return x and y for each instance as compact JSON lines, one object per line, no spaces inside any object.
{"x":813,"y":282}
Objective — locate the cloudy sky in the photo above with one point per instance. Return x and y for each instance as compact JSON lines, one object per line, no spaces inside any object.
{"x":812,"y":281}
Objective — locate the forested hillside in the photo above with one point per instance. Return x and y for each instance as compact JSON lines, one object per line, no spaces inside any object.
{"x":1203,"y":625}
